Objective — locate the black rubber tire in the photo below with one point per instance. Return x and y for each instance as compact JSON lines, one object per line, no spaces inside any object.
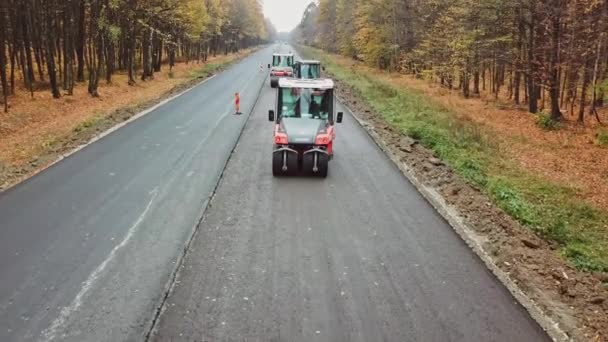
{"x":277,"y":164}
{"x":307,"y":163}
{"x":274,"y":83}
{"x":292,"y":164}
{"x":322,"y":163}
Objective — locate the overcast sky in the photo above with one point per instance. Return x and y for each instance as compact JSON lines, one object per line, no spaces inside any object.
{"x":285,"y":14}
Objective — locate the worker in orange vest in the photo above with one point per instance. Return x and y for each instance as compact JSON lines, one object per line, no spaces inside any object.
{"x":237,"y":103}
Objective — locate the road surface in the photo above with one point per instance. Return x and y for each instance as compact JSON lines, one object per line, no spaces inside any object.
{"x":359,"y":256}
{"x":88,"y":247}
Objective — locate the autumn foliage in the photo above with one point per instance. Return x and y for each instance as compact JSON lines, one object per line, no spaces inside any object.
{"x":529,"y":51}
{"x":57,"y":43}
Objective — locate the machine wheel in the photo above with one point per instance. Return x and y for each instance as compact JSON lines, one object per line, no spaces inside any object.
{"x":274,"y":82}
{"x":292,"y":163}
{"x":307,"y":163}
{"x":277,"y":164}
{"x":322,"y":164}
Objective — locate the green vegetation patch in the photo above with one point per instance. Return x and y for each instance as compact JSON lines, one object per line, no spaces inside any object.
{"x":545,"y":122}
{"x":209,"y":69}
{"x":88,"y":124}
{"x":602,"y":137}
{"x":551,"y":210}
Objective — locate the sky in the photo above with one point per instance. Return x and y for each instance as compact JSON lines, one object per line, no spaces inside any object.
{"x":285,"y":14}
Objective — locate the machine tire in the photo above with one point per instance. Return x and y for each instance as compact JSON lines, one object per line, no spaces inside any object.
{"x":307,"y":163}
{"x":277,"y":164}
{"x":292,"y":163}
{"x":274,"y":83}
{"x":322,"y":164}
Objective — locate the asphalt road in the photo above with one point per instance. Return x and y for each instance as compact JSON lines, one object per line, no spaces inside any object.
{"x":88,"y":247}
{"x":359,"y":256}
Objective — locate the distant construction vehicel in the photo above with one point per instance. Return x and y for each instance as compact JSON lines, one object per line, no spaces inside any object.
{"x":307,"y":69}
{"x":282,"y":66}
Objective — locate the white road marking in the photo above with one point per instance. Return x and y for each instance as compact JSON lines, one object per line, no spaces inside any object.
{"x":49,"y":334}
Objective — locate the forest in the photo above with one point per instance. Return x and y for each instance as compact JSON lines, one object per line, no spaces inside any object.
{"x":549,"y":55}
{"x":56,"y":44}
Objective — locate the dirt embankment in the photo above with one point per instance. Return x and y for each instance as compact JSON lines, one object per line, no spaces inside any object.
{"x":38,"y":130}
{"x":578,"y":301}
{"x":573,"y":154}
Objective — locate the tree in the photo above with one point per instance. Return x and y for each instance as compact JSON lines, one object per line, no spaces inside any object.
{"x":523,"y":50}
{"x":69,"y":41}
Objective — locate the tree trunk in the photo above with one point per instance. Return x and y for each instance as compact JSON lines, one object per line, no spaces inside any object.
{"x":146,"y":55}
{"x":80,"y":39}
{"x":12,"y":53}
{"x":593,"y":109}
{"x":3,"y":80}
{"x":556,"y":113}
{"x":131,"y":46}
{"x":27,"y":49}
{"x":532,"y":87}
{"x":158,"y":55}
{"x":171,"y":57}
{"x":110,"y":61}
{"x":581,"y":109}
{"x":96,"y":48}
{"x":50,"y":47}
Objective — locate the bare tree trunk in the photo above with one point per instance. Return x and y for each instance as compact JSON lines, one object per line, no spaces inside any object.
{"x":96,"y":48}
{"x":556,"y":113}
{"x":476,"y":83}
{"x":3,"y":80}
{"x":146,"y":54}
{"x":158,"y":54}
{"x":80,"y":39}
{"x":581,"y":112}
{"x":50,"y":47}
{"x":593,"y":109}
{"x":520,"y":56}
{"x":12,"y":54}
{"x":131,"y":52}
{"x":533,"y":89}
{"x":27,"y":48}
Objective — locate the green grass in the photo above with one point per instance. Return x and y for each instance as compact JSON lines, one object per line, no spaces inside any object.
{"x":551,"y":210}
{"x":88,"y":124}
{"x":209,"y":69}
{"x":545,"y":122}
{"x":602,"y":137}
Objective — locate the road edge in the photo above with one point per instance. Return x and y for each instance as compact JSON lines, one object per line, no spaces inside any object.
{"x":467,"y":234}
